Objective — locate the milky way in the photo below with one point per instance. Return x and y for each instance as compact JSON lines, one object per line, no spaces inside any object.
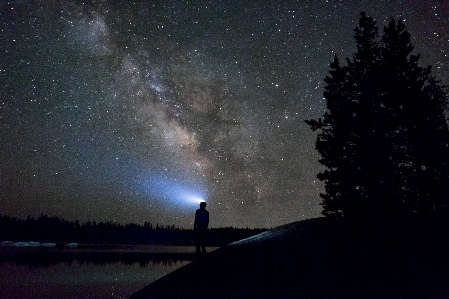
{"x":136,"y":111}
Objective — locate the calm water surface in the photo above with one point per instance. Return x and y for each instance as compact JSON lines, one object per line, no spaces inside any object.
{"x":85,"y":273}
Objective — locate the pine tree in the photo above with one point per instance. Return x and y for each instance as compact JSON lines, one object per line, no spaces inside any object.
{"x":384,"y":139}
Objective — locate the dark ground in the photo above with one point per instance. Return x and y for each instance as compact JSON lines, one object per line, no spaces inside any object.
{"x":316,"y":258}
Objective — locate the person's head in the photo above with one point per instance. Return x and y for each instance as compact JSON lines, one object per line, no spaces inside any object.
{"x":203,"y":205}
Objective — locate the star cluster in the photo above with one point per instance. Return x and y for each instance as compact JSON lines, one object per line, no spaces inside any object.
{"x":132,"y":111}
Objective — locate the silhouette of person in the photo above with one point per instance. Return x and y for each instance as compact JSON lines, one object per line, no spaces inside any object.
{"x":200,"y":227}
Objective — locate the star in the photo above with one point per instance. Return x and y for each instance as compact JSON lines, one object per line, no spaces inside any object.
{"x":135,"y":111}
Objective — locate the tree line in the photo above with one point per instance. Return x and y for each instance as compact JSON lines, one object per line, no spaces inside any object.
{"x":384,"y":139}
{"x":58,"y":230}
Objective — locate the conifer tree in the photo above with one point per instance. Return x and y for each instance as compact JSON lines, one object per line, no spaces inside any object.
{"x":384,"y":138}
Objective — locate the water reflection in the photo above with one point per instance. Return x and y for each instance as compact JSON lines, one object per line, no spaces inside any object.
{"x":141,"y":255}
{"x":89,"y":272}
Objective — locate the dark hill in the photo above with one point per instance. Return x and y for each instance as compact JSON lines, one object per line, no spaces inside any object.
{"x":315,"y":258}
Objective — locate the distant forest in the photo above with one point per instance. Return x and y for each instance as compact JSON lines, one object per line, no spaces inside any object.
{"x":58,"y":230}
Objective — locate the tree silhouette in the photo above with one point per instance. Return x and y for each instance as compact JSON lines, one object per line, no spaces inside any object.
{"x":58,"y":230}
{"x":384,"y":138}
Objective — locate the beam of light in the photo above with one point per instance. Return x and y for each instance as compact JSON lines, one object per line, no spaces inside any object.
{"x":173,"y":191}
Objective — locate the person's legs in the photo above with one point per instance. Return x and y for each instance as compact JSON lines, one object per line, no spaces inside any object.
{"x":198,"y":241}
{"x":202,"y":241}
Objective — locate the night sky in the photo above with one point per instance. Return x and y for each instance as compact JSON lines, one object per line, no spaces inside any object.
{"x":134,"y":111}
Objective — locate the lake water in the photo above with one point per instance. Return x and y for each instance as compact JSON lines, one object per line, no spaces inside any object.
{"x":86,"y":272}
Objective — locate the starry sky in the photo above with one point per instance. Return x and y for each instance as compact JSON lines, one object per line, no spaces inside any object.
{"x":134,"y":111}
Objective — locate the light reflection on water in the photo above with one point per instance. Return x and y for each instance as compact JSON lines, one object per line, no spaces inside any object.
{"x":85,"y":273}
